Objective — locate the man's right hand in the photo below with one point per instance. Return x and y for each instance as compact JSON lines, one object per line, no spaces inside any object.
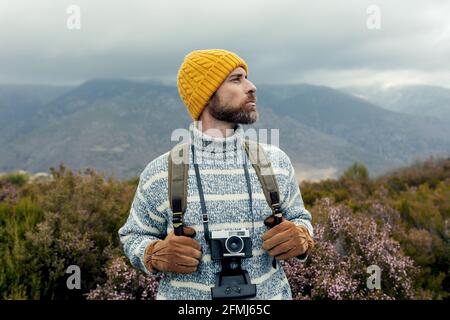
{"x":178,"y":254}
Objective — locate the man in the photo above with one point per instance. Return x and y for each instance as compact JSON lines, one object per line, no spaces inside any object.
{"x":213,"y":85}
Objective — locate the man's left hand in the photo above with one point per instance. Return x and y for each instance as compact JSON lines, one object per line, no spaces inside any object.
{"x":287,"y":240}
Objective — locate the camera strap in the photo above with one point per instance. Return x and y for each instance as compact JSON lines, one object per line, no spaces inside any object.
{"x":202,"y":197}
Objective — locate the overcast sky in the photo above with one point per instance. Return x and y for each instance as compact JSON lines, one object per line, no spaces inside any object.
{"x":319,"y":42}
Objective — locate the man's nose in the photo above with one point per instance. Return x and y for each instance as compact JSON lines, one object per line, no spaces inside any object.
{"x":251,"y":87}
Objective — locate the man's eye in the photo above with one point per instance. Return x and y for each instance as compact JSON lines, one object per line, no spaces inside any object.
{"x":237,"y":79}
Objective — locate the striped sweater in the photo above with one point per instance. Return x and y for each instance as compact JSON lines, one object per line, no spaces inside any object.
{"x":227,"y":201}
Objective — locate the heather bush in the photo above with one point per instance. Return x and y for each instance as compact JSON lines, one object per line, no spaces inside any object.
{"x":8,"y":191}
{"x":72,"y":218}
{"x":125,"y":283}
{"x":414,"y":201}
{"x":80,"y":216}
{"x":347,"y":244}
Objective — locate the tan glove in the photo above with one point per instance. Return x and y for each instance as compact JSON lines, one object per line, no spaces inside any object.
{"x":287,"y":240}
{"x":178,"y":254}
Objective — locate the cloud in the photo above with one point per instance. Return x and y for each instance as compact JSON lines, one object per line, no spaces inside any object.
{"x":371,"y":77}
{"x":282,"y":40}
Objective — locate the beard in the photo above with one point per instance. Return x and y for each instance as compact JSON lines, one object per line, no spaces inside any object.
{"x":232,"y":114}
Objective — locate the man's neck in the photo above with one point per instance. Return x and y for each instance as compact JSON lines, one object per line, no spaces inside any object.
{"x":215,"y":128}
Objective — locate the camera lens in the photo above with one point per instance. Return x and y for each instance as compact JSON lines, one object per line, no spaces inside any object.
{"x":234,"y":244}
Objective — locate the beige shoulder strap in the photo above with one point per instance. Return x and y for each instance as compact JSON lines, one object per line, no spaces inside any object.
{"x":266,"y":176}
{"x":178,"y":167}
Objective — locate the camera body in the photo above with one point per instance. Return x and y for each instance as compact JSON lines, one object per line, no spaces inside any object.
{"x":231,"y":244}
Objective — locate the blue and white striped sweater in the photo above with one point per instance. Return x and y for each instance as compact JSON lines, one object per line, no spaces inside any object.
{"x":227,"y":203}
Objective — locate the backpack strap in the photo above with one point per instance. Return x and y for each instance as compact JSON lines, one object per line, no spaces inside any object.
{"x":266,"y":176}
{"x":178,"y":167}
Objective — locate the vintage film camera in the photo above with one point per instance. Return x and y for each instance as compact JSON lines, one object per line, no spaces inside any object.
{"x":230,"y":246}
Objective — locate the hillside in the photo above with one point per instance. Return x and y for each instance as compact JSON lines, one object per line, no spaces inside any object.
{"x":118,"y":126}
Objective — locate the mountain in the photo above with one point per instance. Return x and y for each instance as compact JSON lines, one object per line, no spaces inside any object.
{"x":420,"y":100}
{"x":118,"y":126}
{"x":112,"y":125}
{"x":391,"y":135}
{"x":18,"y":103}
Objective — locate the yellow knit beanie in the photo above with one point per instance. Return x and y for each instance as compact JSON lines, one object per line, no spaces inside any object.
{"x":201,"y":74}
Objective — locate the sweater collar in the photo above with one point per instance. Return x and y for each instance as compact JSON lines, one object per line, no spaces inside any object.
{"x":206,"y":143}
